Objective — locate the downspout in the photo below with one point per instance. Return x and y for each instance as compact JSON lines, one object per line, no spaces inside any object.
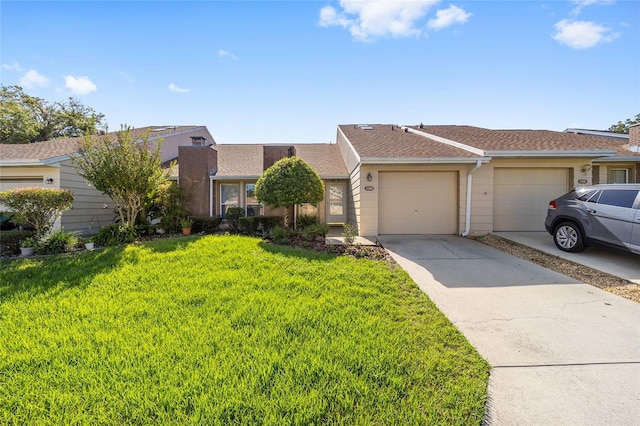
{"x":467,"y":228}
{"x":210,"y":196}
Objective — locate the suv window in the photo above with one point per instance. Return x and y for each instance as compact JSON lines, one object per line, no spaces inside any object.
{"x":618,"y":197}
{"x":590,"y":196}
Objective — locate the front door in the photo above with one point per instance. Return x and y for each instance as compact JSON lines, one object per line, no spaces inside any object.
{"x":336,"y":195}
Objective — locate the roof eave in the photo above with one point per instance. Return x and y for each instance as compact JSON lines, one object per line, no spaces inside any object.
{"x":619,"y":159}
{"x":552,"y":153}
{"x":24,"y":162}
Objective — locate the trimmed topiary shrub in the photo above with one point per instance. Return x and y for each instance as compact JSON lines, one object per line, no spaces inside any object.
{"x":39,"y":207}
{"x":233,"y":215}
{"x":205,"y":224}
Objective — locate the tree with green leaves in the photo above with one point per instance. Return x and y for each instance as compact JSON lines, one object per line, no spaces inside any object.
{"x":288,"y":182}
{"x":26,"y":119}
{"x":123,"y":168}
{"x":38,"y":207}
{"x":623,"y":126}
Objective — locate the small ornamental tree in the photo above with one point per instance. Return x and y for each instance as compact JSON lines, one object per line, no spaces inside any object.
{"x":288,"y":182}
{"x":39,"y":207}
{"x":124,"y":169}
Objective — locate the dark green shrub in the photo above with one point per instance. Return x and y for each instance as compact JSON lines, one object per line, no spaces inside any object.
{"x":205,"y":224}
{"x":281,"y":235}
{"x":248,"y":225}
{"x":233,"y":214}
{"x":113,"y":235}
{"x":310,"y":232}
{"x":56,"y":242}
{"x":10,"y":241}
{"x":305,"y":220}
{"x":267,"y":223}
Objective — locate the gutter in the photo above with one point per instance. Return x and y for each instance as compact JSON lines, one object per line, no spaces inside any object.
{"x":552,"y":153}
{"x":422,"y":160}
{"x":467,"y":228}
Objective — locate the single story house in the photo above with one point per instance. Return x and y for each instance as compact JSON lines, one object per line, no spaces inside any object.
{"x":48,"y":164}
{"x":390,"y":179}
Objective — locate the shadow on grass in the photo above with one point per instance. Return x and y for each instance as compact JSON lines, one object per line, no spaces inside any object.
{"x":54,"y":274}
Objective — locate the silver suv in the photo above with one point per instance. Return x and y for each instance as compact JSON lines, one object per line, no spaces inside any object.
{"x":596,"y":215}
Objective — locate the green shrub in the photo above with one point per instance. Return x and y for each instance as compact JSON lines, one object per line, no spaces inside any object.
{"x":39,"y":207}
{"x":248,"y":225}
{"x":205,"y":224}
{"x":233,"y":214}
{"x":55,"y":242}
{"x":113,"y":235}
{"x":11,"y":241}
{"x":267,"y":223}
{"x":305,"y":220}
{"x":311,"y":232}
{"x":281,"y":235}
{"x":349,"y":233}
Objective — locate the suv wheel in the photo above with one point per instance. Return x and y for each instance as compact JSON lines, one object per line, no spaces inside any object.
{"x":568,"y":237}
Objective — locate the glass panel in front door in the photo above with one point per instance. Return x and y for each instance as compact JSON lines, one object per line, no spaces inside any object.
{"x":336,"y":199}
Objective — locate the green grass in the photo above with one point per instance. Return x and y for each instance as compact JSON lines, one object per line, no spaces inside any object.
{"x":227,"y":330}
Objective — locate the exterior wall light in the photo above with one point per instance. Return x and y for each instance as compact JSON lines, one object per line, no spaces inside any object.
{"x":369,"y":177}
{"x":48,"y":181}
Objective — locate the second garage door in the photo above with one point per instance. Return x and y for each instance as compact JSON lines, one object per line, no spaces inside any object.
{"x":521,"y":197}
{"x":418,"y":203}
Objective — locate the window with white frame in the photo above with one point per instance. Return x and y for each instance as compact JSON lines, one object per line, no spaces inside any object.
{"x":253,"y":206}
{"x":619,"y":176}
{"x":229,"y":197}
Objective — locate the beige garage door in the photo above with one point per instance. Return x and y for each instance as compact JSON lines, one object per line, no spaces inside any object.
{"x":7,"y":183}
{"x":418,"y":203}
{"x":521,"y":197}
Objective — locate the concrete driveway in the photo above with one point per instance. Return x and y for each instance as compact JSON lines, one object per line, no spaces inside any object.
{"x":563,"y":352}
{"x":621,"y":264}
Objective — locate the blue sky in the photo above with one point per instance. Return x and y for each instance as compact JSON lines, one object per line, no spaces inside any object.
{"x":292,"y":71}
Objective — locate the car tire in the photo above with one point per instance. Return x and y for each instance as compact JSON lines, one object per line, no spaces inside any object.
{"x":568,"y":237}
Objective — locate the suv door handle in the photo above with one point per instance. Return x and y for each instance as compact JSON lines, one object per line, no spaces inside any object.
{"x":591,"y":210}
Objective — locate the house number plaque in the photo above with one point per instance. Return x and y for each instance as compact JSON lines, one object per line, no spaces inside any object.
{"x":582,"y":181}
{"x":368,"y":188}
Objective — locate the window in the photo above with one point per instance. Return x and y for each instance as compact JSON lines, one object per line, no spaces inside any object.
{"x":253,"y":207}
{"x":618,"y":197}
{"x":228,"y":197}
{"x":590,"y":196}
{"x":619,"y":176}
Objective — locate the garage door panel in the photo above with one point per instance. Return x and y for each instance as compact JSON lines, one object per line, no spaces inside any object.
{"x":521,"y":196}
{"x":417,"y":203}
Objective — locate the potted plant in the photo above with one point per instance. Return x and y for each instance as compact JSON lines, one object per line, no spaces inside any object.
{"x":89,"y":244}
{"x":28,"y":246}
{"x":186,"y":224}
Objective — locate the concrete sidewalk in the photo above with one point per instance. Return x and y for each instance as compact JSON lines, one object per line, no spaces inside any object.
{"x":563,"y":352}
{"x":614,"y":262}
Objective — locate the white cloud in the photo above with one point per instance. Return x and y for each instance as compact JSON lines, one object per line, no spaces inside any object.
{"x":226,"y":54}
{"x":177,"y":89}
{"x":15,"y":66}
{"x":448,"y":17}
{"x":581,"y":4}
{"x":79,"y":85}
{"x":581,"y":34}
{"x":366,"y":19}
{"x":33,"y":79}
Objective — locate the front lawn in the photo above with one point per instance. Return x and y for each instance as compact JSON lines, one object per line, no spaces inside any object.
{"x":227,"y":330}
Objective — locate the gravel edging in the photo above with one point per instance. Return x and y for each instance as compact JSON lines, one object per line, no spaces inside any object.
{"x":604,"y":281}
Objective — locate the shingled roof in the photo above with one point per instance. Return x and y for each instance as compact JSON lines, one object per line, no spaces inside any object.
{"x":246,"y":160}
{"x":52,"y":149}
{"x":458,"y":143}
{"x":391,"y":141}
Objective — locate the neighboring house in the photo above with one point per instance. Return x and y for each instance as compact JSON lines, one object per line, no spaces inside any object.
{"x":48,"y":165}
{"x":217,"y":177}
{"x":622,"y":167}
